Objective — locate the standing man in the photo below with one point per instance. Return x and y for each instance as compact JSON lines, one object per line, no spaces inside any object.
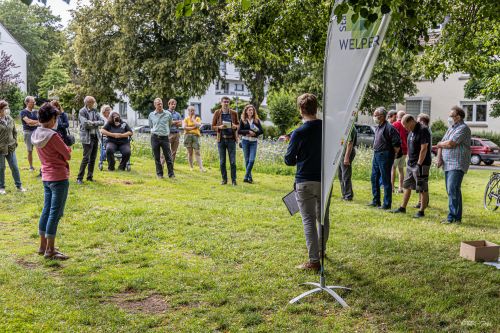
{"x":29,"y":119}
{"x":175,"y":134}
{"x":225,"y":122}
{"x":160,"y":122}
{"x":386,"y":147}
{"x":345,"y":167}
{"x":90,"y":121}
{"x":304,"y":151}
{"x":400,"y":162}
{"x":419,"y":164}
{"x":454,"y":156}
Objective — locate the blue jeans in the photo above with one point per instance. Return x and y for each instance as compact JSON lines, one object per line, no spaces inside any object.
{"x":230,"y":146}
{"x":381,"y":172}
{"x":55,"y":194}
{"x":453,"y":181}
{"x":12,"y":160}
{"x":249,"y":152}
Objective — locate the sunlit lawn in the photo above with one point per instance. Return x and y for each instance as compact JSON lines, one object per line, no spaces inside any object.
{"x":221,"y":258}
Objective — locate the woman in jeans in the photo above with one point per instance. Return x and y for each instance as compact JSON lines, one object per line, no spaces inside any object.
{"x":54,"y":156}
{"x":8,"y":145}
{"x":192,"y":135}
{"x":250,"y":128}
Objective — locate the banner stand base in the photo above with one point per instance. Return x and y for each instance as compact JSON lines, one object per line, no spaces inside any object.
{"x":321,"y":286}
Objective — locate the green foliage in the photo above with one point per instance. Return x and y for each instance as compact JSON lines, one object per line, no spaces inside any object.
{"x":437,"y":136}
{"x":56,"y":76}
{"x":70,"y":96}
{"x":143,"y":50}
{"x":271,"y":132}
{"x":438,"y":125}
{"x":283,"y":110}
{"x":14,"y":96}
{"x":38,"y":31}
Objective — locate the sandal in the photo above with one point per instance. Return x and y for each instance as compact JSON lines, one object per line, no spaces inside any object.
{"x":41,"y":251}
{"x":55,"y":255}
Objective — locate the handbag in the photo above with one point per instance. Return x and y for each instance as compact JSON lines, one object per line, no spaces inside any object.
{"x":69,"y":139}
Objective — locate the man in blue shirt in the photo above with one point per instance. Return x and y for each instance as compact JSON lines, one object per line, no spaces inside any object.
{"x":304,"y":151}
{"x":160,"y":122}
{"x":29,"y":119}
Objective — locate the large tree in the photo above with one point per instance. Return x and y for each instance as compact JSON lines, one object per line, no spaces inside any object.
{"x":55,"y":77}
{"x":38,"y":31}
{"x":142,"y":49}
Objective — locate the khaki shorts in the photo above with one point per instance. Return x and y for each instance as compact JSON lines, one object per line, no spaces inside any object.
{"x":27,"y":140}
{"x":192,"y":141}
{"x":400,"y":162}
{"x":416,"y":181}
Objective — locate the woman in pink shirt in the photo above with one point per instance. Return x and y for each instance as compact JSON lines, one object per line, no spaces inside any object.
{"x":54,"y":156}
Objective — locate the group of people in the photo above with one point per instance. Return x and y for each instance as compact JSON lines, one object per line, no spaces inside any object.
{"x":400,"y":140}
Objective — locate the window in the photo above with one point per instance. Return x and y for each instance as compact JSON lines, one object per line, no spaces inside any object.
{"x":122,"y":109}
{"x":415,"y":106}
{"x":475,"y":111}
{"x":476,"y":143}
{"x":239,"y":87}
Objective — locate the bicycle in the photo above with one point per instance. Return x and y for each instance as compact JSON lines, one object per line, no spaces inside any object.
{"x":492,"y":192}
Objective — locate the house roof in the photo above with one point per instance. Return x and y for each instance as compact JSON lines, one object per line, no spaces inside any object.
{"x":8,"y":32}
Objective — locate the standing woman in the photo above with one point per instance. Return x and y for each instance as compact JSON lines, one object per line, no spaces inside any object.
{"x":54,"y":156}
{"x":105,"y":112}
{"x":250,"y":128}
{"x":8,"y":145}
{"x":192,"y":135}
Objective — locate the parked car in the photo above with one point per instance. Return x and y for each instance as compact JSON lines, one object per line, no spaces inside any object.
{"x":366,"y":135}
{"x":482,"y":150}
{"x":142,"y":129}
{"x":206,"y":129}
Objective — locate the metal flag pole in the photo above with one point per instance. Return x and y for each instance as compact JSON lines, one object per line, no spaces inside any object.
{"x":352,"y":104}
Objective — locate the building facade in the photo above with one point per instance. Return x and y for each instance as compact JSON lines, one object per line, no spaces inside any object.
{"x":19,"y":55}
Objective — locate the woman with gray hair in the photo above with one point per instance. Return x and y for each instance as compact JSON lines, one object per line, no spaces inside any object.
{"x":8,"y":145}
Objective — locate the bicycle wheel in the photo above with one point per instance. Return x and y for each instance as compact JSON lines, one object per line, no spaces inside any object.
{"x":492,"y":194}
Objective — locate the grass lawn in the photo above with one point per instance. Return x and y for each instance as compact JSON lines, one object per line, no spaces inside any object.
{"x":190,"y":255}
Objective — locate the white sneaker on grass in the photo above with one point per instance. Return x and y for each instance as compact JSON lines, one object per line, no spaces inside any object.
{"x":21,"y":189}
{"x":2,"y":191}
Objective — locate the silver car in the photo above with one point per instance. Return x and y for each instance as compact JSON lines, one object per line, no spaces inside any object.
{"x":366,"y":135}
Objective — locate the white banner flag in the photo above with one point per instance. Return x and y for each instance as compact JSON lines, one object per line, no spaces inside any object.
{"x":351,"y":52}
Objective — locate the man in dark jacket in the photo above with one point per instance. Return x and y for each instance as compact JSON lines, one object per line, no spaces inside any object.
{"x":386,"y":147}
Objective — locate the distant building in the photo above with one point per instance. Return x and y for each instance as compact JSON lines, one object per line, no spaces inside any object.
{"x":231,"y":85}
{"x":19,"y":55}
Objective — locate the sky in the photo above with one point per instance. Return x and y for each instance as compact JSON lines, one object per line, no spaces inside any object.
{"x":61,"y":8}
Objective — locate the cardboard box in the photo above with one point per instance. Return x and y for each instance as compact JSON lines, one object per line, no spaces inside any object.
{"x":480,"y":250}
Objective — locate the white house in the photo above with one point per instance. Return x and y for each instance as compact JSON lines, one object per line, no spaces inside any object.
{"x":232,"y":86}
{"x":437,"y":97}
{"x":19,"y":55}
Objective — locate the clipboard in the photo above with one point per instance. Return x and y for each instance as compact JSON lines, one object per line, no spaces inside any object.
{"x":290,"y":201}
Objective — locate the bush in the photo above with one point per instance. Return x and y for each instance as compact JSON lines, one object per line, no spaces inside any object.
{"x":271,"y":132}
{"x":14,"y":96}
{"x":283,"y":110}
{"x":437,"y":136}
{"x":438,"y":126}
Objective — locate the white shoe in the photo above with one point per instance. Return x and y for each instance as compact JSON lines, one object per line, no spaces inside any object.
{"x":21,"y":189}
{"x":2,"y":191}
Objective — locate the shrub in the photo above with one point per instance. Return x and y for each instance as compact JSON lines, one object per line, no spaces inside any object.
{"x":14,"y":96}
{"x":271,"y":132}
{"x":437,"y":136}
{"x":438,"y":125}
{"x":283,"y":110}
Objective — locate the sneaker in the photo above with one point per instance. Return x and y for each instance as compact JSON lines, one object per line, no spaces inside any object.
{"x":90,"y":179}
{"x":384,"y":207}
{"x":203,"y":170}
{"x":399,"y":210}
{"x":159,"y":176}
{"x":171,"y":177}
{"x":246,"y":181}
{"x":32,"y":169}
{"x":234,"y":183}
{"x":79,"y":182}
{"x":373,"y":204}
{"x":224,"y":182}
{"x":419,"y":214}
{"x":2,"y":191}
{"x":21,"y":189}
{"x":447,"y":221}
{"x":309,"y":266}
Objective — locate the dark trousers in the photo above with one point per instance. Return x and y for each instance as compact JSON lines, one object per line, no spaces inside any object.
{"x":453,"y":181}
{"x":345,"y":174}
{"x":230,"y":146}
{"x":381,"y":172}
{"x":124,"y":149}
{"x":162,"y":142}
{"x":89,"y":156}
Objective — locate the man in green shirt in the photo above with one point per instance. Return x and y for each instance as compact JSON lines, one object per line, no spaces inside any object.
{"x":160,"y":122}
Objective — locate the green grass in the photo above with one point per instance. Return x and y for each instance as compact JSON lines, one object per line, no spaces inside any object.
{"x":223,"y":258}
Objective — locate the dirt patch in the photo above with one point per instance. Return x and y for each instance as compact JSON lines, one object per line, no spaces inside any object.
{"x":26,"y":264}
{"x":133,"y":303}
